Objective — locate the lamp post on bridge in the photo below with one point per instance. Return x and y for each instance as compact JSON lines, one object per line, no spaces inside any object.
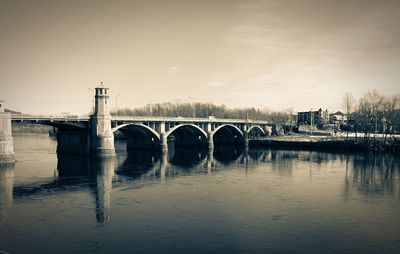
{"x":311,"y":121}
{"x":194,"y":106}
{"x":93,"y":100}
{"x":116,"y":101}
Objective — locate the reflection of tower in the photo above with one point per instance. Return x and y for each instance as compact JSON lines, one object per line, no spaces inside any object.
{"x":101,"y":136}
{"x":6,"y":188}
{"x":105,"y":173}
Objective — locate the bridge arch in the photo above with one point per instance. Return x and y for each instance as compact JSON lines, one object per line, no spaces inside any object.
{"x":139,"y":136}
{"x":188,"y":135}
{"x":228,"y":134}
{"x":139,"y":125}
{"x":256,"y":128}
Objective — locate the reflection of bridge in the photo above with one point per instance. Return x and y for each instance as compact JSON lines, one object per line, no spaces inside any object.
{"x":77,"y":172}
{"x":370,"y":176}
{"x":95,"y":134}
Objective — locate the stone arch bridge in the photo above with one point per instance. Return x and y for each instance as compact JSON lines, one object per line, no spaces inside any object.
{"x":95,"y":134}
{"x":74,"y":137}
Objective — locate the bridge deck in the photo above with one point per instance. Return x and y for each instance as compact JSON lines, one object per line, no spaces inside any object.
{"x":37,"y":118}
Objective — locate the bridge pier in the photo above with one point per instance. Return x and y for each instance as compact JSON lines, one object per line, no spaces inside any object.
{"x":164,"y":142}
{"x":210,"y":137}
{"x":101,"y":135}
{"x":163,"y":136}
{"x":246,"y":138}
{"x":6,"y":139}
{"x":210,"y":141}
{"x":246,"y":131}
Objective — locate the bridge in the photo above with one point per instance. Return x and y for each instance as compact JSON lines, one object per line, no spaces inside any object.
{"x":94,"y":135}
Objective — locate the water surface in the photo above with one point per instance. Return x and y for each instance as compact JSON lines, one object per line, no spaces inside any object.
{"x":191,"y":201}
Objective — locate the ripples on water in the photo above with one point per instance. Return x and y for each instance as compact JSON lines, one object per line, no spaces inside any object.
{"x":230,"y":201}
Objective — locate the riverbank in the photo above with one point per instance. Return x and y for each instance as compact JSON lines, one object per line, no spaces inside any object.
{"x":324,"y":143}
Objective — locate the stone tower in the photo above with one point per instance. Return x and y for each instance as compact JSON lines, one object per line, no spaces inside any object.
{"x":6,"y":140}
{"x":101,"y":136}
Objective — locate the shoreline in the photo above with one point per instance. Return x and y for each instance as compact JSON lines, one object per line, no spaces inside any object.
{"x":307,"y":142}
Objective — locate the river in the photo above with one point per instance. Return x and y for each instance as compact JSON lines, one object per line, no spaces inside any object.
{"x":191,"y":201}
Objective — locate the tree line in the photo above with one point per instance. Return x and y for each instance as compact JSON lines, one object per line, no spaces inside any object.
{"x":206,"y":110}
{"x":372,"y":113}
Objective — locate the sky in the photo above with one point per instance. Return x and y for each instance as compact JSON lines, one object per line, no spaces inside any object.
{"x":256,"y":53}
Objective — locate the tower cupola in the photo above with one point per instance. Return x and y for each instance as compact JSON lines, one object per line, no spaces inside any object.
{"x":101,"y":100}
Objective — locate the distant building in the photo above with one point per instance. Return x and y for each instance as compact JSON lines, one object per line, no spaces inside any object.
{"x":318,"y":117}
{"x":337,"y":117}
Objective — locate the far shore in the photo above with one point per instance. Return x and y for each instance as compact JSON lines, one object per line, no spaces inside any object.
{"x":338,"y":141}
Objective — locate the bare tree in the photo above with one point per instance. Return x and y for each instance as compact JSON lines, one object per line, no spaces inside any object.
{"x":391,"y":112}
{"x":369,"y":108}
{"x":205,"y":110}
{"x":348,"y":105}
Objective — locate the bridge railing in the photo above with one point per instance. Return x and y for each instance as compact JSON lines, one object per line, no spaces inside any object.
{"x":51,"y":118}
{"x":184,"y":119}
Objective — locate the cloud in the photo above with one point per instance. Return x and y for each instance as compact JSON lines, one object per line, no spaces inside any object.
{"x":216,"y":84}
{"x":173,"y":70}
{"x":260,"y":87}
